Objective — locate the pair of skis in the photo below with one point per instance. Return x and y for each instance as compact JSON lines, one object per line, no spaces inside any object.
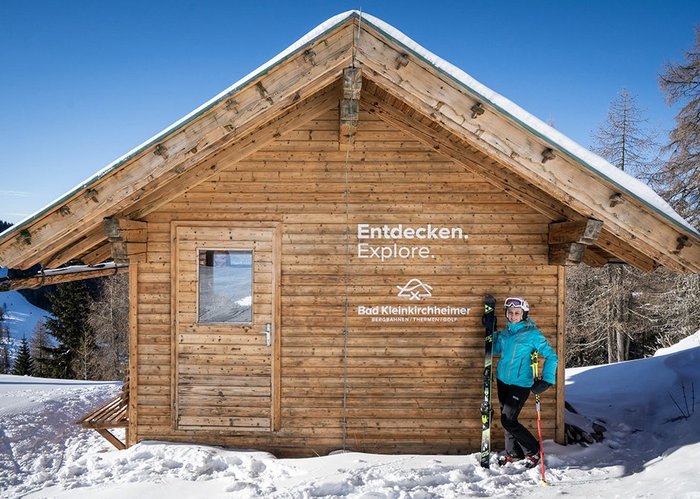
{"x":489,"y":322}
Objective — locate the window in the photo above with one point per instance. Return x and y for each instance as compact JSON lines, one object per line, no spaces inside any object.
{"x":226,"y":286}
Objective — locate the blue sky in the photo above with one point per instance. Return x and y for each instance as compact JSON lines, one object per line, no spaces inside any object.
{"x":83,"y":82}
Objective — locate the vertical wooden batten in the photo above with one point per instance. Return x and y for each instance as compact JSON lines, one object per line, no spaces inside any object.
{"x":560,"y":433}
{"x":174,"y":287}
{"x":132,"y":430}
{"x":277,"y":331}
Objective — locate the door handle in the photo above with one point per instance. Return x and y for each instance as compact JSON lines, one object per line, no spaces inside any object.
{"x":268,"y":334}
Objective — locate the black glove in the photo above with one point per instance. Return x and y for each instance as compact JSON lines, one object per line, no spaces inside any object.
{"x":539,"y":386}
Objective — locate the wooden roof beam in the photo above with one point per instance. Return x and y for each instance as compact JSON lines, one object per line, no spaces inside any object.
{"x":58,"y":276}
{"x":76,"y":250}
{"x":435,"y":94}
{"x":99,"y":255}
{"x":579,"y":231}
{"x":596,"y":257}
{"x":612,"y":245}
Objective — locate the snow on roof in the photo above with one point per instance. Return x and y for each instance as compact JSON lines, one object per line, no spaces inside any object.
{"x":593,"y":162}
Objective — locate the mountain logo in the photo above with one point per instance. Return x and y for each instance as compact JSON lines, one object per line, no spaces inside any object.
{"x":415,"y":290}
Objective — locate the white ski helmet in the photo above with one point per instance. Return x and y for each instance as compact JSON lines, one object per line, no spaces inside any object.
{"x":517,"y":302}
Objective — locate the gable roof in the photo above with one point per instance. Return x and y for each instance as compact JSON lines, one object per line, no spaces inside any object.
{"x":409,"y":87}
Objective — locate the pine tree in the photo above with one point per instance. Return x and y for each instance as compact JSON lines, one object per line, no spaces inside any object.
{"x":4,"y":343}
{"x":69,"y":326}
{"x":38,"y":347}
{"x":678,"y":180}
{"x":24,"y":365}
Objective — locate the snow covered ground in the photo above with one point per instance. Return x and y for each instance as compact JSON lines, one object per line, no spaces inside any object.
{"x":651,"y":449}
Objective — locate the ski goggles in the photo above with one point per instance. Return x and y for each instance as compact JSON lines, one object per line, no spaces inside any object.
{"x":518,"y":303}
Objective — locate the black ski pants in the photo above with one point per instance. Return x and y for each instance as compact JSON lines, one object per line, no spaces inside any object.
{"x":519,"y":441}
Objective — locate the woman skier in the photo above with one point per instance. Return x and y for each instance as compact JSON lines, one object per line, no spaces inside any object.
{"x":518,"y":340}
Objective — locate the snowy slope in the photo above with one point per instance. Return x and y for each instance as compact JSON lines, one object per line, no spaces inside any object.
{"x":21,"y":316}
{"x":650,"y":449}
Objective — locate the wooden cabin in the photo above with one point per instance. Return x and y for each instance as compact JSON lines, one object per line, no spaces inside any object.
{"x":308,"y":252}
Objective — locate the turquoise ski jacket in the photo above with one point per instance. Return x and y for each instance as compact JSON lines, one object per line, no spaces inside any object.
{"x":515,"y":343}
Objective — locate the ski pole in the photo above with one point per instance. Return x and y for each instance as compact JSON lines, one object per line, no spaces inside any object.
{"x":539,"y":423}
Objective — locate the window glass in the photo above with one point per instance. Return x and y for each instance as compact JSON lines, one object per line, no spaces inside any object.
{"x":225,"y":286}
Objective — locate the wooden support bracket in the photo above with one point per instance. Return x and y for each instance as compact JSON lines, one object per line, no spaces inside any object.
{"x":111,"y":438}
{"x":349,"y":106}
{"x":568,"y":240}
{"x":128,"y":239}
{"x":566,"y":254}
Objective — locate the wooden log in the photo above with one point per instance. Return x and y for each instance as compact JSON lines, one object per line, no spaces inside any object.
{"x":578,"y":231}
{"x":349,"y":107}
{"x":566,"y":254}
{"x":118,"y":444}
{"x":36,"y":281}
{"x":127,"y":237}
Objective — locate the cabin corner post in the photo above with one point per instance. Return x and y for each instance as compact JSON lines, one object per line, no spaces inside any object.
{"x":559,"y":432}
{"x":132,"y":429}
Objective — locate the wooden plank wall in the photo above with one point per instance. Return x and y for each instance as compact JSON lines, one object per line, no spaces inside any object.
{"x":411,"y":387}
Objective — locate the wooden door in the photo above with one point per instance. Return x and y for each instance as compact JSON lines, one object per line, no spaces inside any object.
{"x":225,"y":302}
